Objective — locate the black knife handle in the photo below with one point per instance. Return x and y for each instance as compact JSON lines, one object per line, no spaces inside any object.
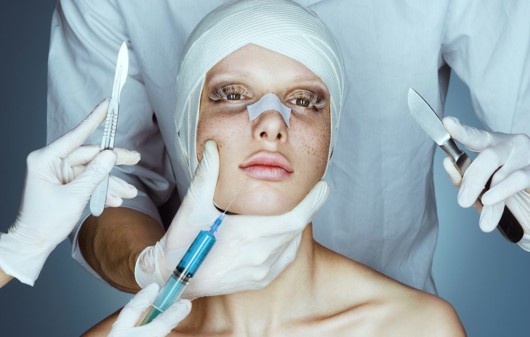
{"x":508,"y":225}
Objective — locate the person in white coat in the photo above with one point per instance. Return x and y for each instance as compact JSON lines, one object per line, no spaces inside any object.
{"x":381,"y":172}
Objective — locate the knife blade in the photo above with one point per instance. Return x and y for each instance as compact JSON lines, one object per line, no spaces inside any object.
{"x":429,"y":121}
{"x":99,"y":197}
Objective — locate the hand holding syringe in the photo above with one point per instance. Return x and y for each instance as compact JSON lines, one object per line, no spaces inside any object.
{"x":252,"y":251}
{"x":186,"y":269}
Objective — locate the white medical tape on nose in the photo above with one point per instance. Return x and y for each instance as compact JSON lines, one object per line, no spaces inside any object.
{"x":269,"y":102}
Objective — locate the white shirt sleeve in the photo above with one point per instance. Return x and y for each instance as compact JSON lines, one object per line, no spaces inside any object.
{"x":487,"y":44}
{"x":84,"y":43}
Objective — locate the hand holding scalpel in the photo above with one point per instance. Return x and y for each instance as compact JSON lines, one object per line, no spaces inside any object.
{"x":98,"y":199}
{"x":432,"y":125}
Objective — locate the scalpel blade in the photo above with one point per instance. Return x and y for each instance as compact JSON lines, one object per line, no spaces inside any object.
{"x":427,"y":118}
{"x":430,"y":122}
{"x":98,"y":199}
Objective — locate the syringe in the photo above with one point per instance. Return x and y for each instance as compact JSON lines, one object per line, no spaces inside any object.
{"x":186,"y":269}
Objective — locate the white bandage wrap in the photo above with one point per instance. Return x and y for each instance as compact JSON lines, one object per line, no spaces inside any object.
{"x":269,"y":102}
{"x":268,"y":24}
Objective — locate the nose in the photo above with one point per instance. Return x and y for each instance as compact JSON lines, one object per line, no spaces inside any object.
{"x":270,"y":127}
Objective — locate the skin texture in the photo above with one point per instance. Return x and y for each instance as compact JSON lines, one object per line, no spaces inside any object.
{"x":321,"y":293}
{"x":112,"y":242}
{"x":242,"y":79}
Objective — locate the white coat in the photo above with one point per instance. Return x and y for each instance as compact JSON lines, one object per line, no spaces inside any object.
{"x":382,"y":209}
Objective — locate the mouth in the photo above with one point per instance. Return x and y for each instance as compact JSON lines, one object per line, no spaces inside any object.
{"x":268,"y":166}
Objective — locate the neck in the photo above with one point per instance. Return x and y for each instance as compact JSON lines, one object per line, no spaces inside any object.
{"x":284,"y":299}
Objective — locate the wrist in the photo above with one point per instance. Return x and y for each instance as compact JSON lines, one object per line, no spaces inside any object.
{"x":23,"y":259}
{"x":4,"y":278}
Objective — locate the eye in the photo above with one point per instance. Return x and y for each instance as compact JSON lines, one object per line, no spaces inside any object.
{"x":306,"y":99}
{"x":302,"y":102}
{"x":233,"y":96}
{"x":233,"y":93}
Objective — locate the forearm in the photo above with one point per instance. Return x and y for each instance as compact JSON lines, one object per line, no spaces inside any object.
{"x":4,"y":278}
{"x":112,"y":242}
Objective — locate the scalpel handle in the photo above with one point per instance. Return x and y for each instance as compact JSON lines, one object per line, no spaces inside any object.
{"x":510,"y":228}
{"x":99,"y":198}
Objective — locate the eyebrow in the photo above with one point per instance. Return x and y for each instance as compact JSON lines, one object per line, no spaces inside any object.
{"x":239,"y":77}
{"x":227,"y":77}
{"x":319,"y":87}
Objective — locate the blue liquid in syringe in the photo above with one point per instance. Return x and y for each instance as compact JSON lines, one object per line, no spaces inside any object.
{"x":186,"y":269}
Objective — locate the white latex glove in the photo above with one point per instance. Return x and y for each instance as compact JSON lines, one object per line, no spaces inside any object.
{"x":59,"y":181}
{"x":510,"y":185}
{"x":125,"y":325}
{"x":250,"y":250}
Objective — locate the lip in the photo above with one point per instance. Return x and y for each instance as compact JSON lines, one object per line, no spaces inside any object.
{"x":269,"y":166}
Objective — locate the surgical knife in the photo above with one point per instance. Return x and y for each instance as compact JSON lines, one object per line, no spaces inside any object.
{"x":99,"y":197}
{"x":429,"y":121}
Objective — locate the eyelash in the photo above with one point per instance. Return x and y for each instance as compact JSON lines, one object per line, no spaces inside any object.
{"x":221,"y":94}
{"x":315,"y":101}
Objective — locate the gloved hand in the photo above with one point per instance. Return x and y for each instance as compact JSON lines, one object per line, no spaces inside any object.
{"x":59,"y":181}
{"x":510,"y":185}
{"x":250,"y":251}
{"x":159,"y":327}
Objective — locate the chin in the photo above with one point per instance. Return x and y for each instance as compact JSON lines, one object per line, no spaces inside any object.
{"x":262,"y":202}
{"x":252,"y":208}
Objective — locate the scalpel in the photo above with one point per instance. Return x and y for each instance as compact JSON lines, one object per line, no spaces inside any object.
{"x":429,"y":121}
{"x":98,"y":199}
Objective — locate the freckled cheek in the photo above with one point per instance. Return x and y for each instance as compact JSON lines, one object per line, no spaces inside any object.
{"x":316,"y":146}
{"x":218,"y":129}
{"x":206,"y":130}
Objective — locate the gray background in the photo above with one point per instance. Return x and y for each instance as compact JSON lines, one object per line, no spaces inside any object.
{"x":481,"y":275}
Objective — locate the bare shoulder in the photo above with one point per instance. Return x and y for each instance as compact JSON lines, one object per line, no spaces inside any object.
{"x":403,"y":311}
{"x":415,"y":313}
{"x":373,"y":304}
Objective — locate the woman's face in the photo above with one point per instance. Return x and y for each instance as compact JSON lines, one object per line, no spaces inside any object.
{"x":277,"y":164}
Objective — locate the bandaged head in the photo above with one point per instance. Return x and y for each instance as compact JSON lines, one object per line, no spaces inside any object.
{"x":282,"y":26}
